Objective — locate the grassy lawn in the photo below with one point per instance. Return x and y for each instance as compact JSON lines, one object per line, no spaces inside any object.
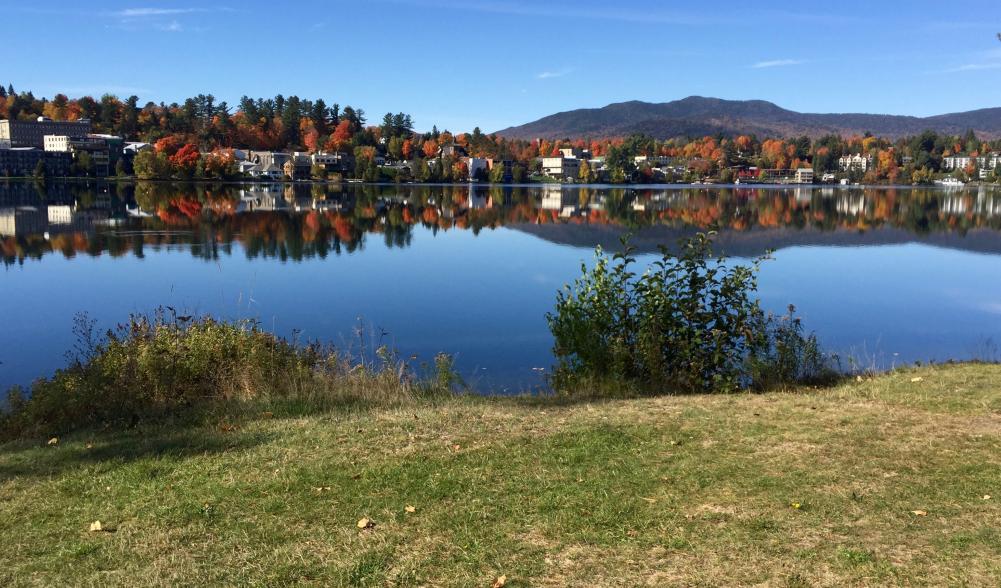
{"x":889,"y":481}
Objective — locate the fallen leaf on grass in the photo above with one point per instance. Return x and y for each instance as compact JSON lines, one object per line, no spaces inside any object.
{"x":99,"y":527}
{"x":365,"y":523}
{"x":499,"y":582}
{"x":917,"y":379}
{"x":987,"y":496}
{"x":267,"y":414}
{"x":410,"y":509}
{"x":920,"y":513}
{"x":88,"y":446}
{"x":53,"y":441}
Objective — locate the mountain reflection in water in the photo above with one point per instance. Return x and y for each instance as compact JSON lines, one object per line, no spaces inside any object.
{"x":883,"y":275}
{"x":295,"y":222}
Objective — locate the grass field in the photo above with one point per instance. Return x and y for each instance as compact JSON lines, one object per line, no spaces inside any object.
{"x":888,"y":481}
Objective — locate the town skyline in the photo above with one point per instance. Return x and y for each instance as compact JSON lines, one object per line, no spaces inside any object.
{"x":523,"y":61}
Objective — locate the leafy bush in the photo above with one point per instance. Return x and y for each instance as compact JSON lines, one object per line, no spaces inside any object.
{"x":158,"y":366}
{"x":688,"y":323}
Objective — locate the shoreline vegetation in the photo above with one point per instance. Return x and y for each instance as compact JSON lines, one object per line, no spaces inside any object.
{"x":530,"y":182}
{"x":301,"y":139}
{"x":689,"y":323}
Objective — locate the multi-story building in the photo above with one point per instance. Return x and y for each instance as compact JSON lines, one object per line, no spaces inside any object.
{"x":334,"y":162}
{"x":22,"y":162}
{"x":857,"y":162}
{"x":655,"y":161}
{"x":563,"y":168}
{"x":507,"y":164}
{"x":266,"y":159}
{"x":298,"y":166}
{"x":477,"y":167}
{"x":32,"y":133}
{"x":452,"y":150}
{"x":22,"y":220}
{"x":989,"y":162}
{"x":97,"y":147}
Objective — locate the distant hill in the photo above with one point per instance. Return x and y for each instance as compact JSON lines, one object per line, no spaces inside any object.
{"x":698,"y":116}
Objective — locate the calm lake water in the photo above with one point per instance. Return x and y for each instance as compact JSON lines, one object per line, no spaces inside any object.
{"x":885,"y":275}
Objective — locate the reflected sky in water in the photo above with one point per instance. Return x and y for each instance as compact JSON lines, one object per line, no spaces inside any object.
{"x":888,"y":276}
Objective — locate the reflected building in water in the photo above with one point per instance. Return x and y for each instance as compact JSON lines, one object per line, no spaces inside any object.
{"x":305,"y":220}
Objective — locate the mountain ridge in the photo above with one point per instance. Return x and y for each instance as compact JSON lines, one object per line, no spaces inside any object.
{"x":699,"y":115}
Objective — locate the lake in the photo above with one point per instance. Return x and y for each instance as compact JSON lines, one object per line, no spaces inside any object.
{"x":884,"y":276}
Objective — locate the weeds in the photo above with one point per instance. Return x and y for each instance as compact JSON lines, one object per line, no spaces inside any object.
{"x":164,"y":365}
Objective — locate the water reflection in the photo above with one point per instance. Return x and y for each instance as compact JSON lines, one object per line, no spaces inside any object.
{"x":890,"y":275}
{"x":301,"y":221}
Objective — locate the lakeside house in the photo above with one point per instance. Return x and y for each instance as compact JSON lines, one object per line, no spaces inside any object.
{"x":983,"y":162}
{"x":507,"y":164}
{"x":857,"y":162}
{"x":562,"y":168}
{"x":477,"y":166}
{"x":334,"y":162}
{"x":803,"y":175}
{"x":103,"y":150}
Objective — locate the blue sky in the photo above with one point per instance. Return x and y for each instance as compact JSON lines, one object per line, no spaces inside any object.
{"x":459,"y":64}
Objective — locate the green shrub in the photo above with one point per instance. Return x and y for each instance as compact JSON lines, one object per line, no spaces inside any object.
{"x":687,"y":324}
{"x":166,"y":366}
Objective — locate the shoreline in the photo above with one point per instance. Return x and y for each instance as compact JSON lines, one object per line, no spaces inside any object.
{"x":708,"y":185}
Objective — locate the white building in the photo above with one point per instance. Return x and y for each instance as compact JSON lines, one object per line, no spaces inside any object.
{"x":656,"y":161}
{"x":804,"y":175}
{"x":964,"y":161}
{"x":134,"y":147}
{"x":857,"y":162}
{"x":563,"y":168}
{"x":60,"y":214}
{"x":59,"y":143}
{"x":476,"y":166}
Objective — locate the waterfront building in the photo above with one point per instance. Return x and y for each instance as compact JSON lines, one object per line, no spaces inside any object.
{"x":32,"y":133}
{"x":22,"y":162}
{"x":562,"y":168}
{"x":857,"y":162}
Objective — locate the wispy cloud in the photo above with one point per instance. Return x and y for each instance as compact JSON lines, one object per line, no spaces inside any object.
{"x":161,"y":19}
{"x":172,"y":27}
{"x":652,"y":16}
{"x":147,"y":12}
{"x":980,"y":61}
{"x":974,"y":67}
{"x":651,"y":13}
{"x":548,"y":75}
{"x":777,"y":63}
